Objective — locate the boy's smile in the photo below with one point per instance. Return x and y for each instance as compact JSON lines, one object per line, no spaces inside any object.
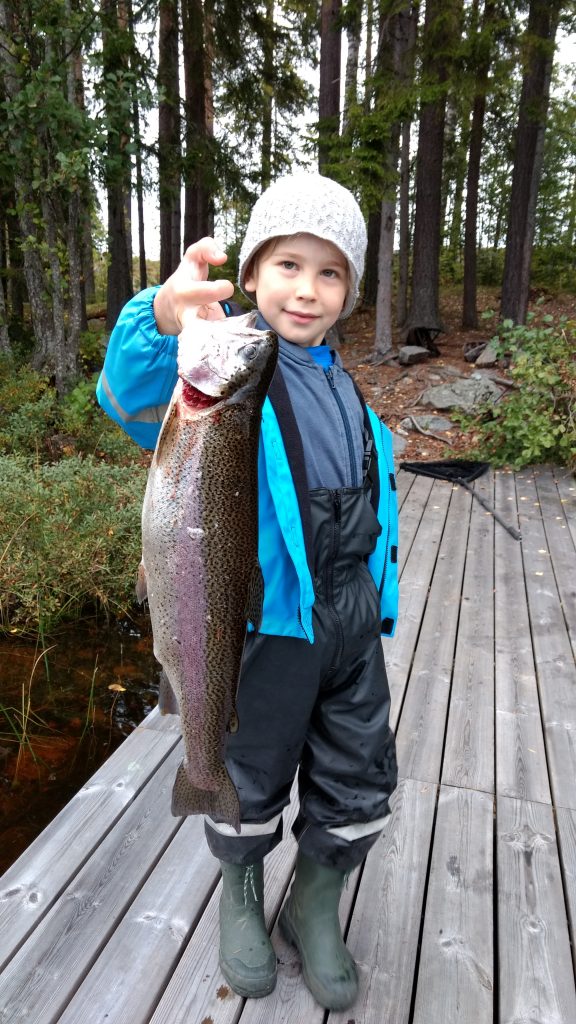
{"x":301,"y":284}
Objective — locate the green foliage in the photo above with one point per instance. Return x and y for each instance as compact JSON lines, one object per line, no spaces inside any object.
{"x":34,"y":420}
{"x":69,"y":536}
{"x":536,"y":421}
{"x":69,"y":529}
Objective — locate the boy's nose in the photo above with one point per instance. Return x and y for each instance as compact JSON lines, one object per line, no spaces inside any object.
{"x":305,"y":288}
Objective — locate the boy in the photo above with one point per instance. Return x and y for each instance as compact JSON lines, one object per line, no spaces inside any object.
{"x":313,"y":693}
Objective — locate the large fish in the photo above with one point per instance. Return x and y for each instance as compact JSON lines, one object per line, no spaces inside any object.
{"x":200,"y":568}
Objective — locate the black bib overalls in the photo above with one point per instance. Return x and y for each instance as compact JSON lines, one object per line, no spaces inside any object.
{"x":321,"y":709}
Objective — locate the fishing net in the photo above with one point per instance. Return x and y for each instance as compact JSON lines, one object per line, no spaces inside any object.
{"x":460,"y":471}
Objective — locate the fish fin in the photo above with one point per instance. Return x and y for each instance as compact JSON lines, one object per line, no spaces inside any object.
{"x":220,"y":805}
{"x":141,"y":584}
{"x":167,"y":700}
{"x":255,"y":597}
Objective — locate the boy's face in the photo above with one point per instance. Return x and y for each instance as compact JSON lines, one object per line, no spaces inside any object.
{"x":301,"y":285}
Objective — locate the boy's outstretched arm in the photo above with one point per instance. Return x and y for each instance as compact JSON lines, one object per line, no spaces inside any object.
{"x":188,"y":293}
{"x":140,"y":367}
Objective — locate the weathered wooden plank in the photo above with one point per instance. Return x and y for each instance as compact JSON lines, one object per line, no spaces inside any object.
{"x":404,"y":482}
{"x":560,"y":544}
{"x":456,"y":972}
{"x":420,"y":733}
{"x":414,"y":587}
{"x":469,"y":752}
{"x":385,"y":926}
{"x":556,"y":671}
{"x":39,"y":981}
{"x":566,"y":484}
{"x":536,"y":981}
{"x":566,"y":824}
{"x":33,"y":883}
{"x":161,"y":723}
{"x":137,"y":962}
{"x":411,"y":514}
{"x":521,"y":769}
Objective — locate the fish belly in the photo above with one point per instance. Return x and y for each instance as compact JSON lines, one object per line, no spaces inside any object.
{"x":199,"y":532}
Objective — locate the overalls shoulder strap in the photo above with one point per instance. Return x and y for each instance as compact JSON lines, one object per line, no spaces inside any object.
{"x":280,"y":401}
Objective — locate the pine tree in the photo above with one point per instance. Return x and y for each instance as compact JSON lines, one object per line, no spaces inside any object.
{"x":169,"y":151}
{"x":440,"y":40}
{"x":538,"y":55}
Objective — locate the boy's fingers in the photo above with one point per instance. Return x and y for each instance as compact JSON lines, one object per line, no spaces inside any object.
{"x":205,"y":294}
{"x":204,"y":252}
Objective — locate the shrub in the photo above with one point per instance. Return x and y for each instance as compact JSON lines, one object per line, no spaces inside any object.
{"x":34,"y":421}
{"x":69,"y":537}
{"x":536,"y":421}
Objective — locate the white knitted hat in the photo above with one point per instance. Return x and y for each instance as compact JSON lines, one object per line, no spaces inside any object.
{"x":315,"y":205}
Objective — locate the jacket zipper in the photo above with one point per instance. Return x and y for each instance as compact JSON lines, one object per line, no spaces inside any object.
{"x":346,"y":422}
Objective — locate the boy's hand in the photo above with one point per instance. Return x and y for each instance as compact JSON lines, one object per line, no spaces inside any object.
{"x":188,"y":294}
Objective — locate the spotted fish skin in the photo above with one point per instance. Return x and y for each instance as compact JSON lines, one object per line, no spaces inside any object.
{"x":200,"y":568}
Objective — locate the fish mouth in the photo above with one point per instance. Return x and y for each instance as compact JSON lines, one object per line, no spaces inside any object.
{"x":197,"y":399}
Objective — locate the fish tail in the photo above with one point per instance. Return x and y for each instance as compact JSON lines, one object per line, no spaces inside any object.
{"x":221,"y":804}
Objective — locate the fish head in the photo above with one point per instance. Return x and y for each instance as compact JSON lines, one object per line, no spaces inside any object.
{"x":222,"y":358}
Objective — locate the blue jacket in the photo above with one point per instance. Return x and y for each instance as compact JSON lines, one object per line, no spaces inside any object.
{"x":135,"y":387}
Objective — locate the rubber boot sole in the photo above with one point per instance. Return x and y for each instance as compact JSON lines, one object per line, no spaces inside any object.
{"x":247,"y":988}
{"x":322,"y":995}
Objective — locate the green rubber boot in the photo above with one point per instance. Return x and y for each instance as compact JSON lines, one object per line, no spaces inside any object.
{"x":247,"y":959}
{"x":309,"y":920}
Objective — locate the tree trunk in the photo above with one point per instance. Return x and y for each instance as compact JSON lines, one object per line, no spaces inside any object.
{"x":469,"y":307}
{"x":395,"y":61}
{"x":329,"y":96}
{"x":383,"y":334}
{"x":117,"y":164}
{"x":371,"y":274}
{"x":198,"y":160}
{"x":267,"y":98}
{"x":439,"y":32}
{"x":142,"y":269}
{"x":353,"y":34}
{"x":404,"y":226}
{"x":16,"y":281}
{"x":73,"y":224}
{"x":539,"y":41}
{"x":77,"y":95}
{"x":169,"y":155}
{"x":570,"y":236}
{"x":5,"y":347}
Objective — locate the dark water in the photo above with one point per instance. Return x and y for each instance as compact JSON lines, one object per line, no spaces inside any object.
{"x":62,"y":714}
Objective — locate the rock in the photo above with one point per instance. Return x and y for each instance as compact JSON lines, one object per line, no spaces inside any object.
{"x":463,"y":393}
{"x":434,"y":424}
{"x":487,"y":357}
{"x":410,"y":354}
{"x":471,"y":352}
{"x":449,"y":371}
{"x":398,"y":444}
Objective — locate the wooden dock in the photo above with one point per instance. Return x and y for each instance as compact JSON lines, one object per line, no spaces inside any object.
{"x":465,"y":909}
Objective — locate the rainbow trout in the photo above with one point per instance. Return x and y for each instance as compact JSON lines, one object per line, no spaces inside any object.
{"x":200,"y":568}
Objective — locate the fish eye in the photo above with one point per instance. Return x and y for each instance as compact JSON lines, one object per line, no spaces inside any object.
{"x":250,"y":351}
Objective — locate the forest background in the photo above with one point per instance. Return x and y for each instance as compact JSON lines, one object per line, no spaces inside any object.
{"x":451,"y":120}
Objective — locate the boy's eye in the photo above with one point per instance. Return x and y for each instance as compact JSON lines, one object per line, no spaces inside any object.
{"x":329,"y":272}
{"x":288,"y":264}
